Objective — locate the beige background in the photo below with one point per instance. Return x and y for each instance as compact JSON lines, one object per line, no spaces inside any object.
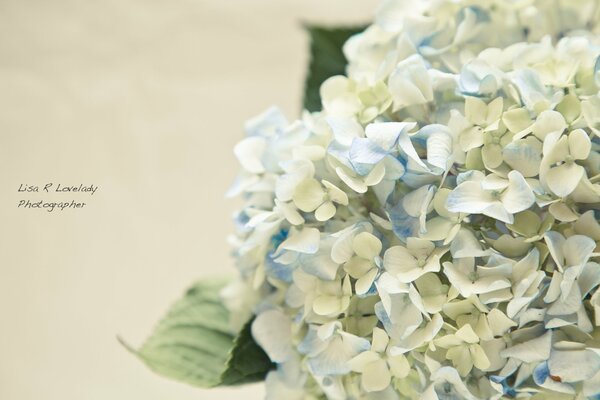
{"x":144,"y":98}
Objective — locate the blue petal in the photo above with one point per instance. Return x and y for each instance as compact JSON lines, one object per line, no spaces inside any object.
{"x":597,"y":71}
{"x":364,"y":154}
{"x":541,"y":373}
{"x":403,"y":225}
{"x":480,"y":14}
{"x":278,"y":271}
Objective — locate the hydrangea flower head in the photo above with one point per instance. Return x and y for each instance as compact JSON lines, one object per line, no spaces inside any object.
{"x":433,"y":232}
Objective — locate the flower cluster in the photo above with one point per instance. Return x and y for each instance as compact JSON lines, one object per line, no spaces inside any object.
{"x":433,"y":232}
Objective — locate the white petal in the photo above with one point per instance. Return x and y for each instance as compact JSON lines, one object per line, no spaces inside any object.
{"x":562,"y":180}
{"x":272,"y":330}
{"x":386,"y":136}
{"x":578,"y":249}
{"x":534,"y":350}
{"x":555,"y":242}
{"x":518,"y":196}
{"x":468,"y":197}
{"x":335,"y":193}
{"x":304,"y":241}
{"x":249,"y":153}
{"x":524,"y":156}
{"x":574,"y":365}
{"x":439,"y":149}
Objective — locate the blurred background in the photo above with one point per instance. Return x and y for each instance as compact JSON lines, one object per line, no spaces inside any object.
{"x":145,"y":99}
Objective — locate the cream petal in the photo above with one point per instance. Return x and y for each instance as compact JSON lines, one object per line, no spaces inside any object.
{"x":366,"y":245}
{"x":326,"y":305}
{"x":335,"y":193}
{"x":399,"y":366}
{"x":309,"y":195}
{"x":358,"y":266}
{"x":363,"y":360}
{"x":355,"y":183}
{"x":461,"y":359}
{"x":376,"y":377}
{"x":325,"y":211}
{"x":562,"y":212}
{"x":492,"y":155}
{"x":547,"y":122}
{"x":580,"y":144}
{"x":467,"y":334}
{"x":475,"y":110}
{"x":364,"y":283}
{"x":562,"y":180}
{"x":399,"y":259}
{"x":380,"y":340}
{"x":376,"y":175}
{"x":342,"y":251}
{"x":499,"y":322}
{"x":517,"y":120}
{"x":480,"y":359}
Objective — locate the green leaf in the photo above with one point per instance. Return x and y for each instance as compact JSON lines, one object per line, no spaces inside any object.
{"x":193,"y":343}
{"x":326,"y":59}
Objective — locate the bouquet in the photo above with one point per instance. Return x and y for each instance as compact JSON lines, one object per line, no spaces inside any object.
{"x":428,"y":229}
